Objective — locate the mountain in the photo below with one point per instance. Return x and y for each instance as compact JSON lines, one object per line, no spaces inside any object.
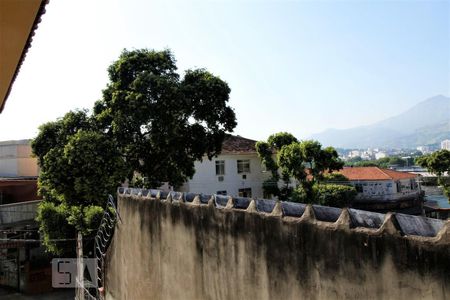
{"x":428,"y":122}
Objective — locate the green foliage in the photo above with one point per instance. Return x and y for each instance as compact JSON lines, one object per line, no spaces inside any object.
{"x":384,"y":162}
{"x":163,"y":123}
{"x":438,"y":163}
{"x":327,"y":194}
{"x":397,"y":161}
{"x":305,"y":161}
{"x":54,"y":225}
{"x":266,"y":152}
{"x":278,"y":140}
{"x":150,"y":121}
{"x":334,"y":177}
{"x":305,"y":158}
{"x":334,"y":194}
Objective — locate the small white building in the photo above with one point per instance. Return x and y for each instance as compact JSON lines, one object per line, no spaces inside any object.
{"x":445,"y":144}
{"x":237,"y":171}
{"x":425,"y":149}
{"x":374,"y":183}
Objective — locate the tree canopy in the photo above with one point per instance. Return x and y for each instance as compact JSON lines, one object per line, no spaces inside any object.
{"x":150,"y":121}
{"x":306,"y":161}
{"x":437,"y":162}
{"x":162,"y":122}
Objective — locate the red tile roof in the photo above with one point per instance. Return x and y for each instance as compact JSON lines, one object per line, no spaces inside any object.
{"x":234,"y":144}
{"x":374,"y":173}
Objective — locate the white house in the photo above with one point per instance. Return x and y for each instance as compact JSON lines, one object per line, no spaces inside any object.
{"x":237,"y":171}
{"x":374,"y":183}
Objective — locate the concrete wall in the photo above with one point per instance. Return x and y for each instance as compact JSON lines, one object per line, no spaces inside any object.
{"x":187,"y":247}
{"x":18,"y":212}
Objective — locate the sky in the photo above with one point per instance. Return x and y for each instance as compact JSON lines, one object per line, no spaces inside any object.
{"x":296,"y":66}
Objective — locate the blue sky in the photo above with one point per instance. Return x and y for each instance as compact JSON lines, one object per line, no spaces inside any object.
{"x":297,"y":66}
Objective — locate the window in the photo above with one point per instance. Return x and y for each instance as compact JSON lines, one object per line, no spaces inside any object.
{"x":220,"y":167}
{"x":247,"y":192}
{"x":221,"y":192}
{"x":243,"y":166}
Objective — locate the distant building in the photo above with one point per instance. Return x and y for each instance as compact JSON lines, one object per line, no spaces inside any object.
{"x":237,"y":171}
{"x":18,"y":172}
{"x":379,"y":155}
{"x":445,"y":144}
{"x":425,"y":149}
{"x":354,"y":153}
{"x":383,"y":189}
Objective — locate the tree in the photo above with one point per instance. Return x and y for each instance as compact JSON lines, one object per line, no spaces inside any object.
{"x":395,"y":160}
{"x":305,"y":161}
{"x":79,"y":166}
{"x":162,"y":122}
{"x":334,"y":194}
{"x":334,"y":177}
{"x":266,"y":152}
{"x":149,"y":124}
{"x":438,"y":163}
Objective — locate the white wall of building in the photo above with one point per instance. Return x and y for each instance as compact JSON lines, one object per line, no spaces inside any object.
{"x":445,"y":144}
{"x":16,"y":160}
{"x":206,"y":181}
{"x":386,"y":189}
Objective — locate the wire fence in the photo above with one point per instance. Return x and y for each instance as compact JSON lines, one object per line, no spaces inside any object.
{"x":90,"y":290}
{"x":102,"y":240}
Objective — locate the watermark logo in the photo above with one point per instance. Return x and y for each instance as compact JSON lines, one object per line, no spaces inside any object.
{"x":71,"y":273}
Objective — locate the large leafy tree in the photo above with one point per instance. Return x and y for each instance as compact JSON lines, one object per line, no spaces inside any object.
{"x":150,"y":121}
{"x":80,"y":166}
{"x":163,"y":122}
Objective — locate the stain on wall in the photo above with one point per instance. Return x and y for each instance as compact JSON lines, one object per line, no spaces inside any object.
{"x":180,"y":246}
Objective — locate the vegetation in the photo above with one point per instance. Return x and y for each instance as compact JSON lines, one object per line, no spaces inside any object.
{"x":328,"y":194}
{"x":149,"y":122}
{"x":308,"y":163}
{"x":384,"y":162}
{"x":438,"y":163}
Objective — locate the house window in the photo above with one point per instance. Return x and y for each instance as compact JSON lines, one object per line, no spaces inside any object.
{"x":359,"y":188}
{"x":221,"y":192}
{"x":220,"y":167}
{"x":243,"y":166}
{"x":247,"y":192}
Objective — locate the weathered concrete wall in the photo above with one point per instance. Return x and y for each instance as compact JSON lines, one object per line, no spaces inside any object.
{"x":18,"y":212}
{"x":195,"y":248}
